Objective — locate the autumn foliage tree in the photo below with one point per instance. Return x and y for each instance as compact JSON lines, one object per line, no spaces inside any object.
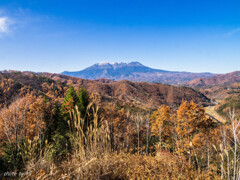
{"x":47,"y":124}
{"x":188,"y":131}
{"x":24,"y":119}
{"x":162,"y":125}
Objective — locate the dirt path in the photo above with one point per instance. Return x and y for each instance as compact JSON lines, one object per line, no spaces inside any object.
{"x":210,"y":110}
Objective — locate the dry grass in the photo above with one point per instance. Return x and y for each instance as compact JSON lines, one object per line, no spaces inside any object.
{"x":121,"y":166}
{"x":93,"y":160}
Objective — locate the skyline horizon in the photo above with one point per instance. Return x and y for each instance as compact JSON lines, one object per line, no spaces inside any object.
{"x":112,"y":63}
{"x":55,"y":36}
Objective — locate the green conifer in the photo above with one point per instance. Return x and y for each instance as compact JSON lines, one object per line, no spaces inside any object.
{"x":70,"y":101}
{"x":83,"y":101}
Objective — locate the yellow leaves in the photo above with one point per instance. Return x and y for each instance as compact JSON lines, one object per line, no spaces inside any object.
{"x":189,"y":125}
{"x":25,"y":117}
{"x":162,"y":123}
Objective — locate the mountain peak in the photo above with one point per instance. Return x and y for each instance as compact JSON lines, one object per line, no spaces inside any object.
{"x":105,"y":63}
{"x":134,"y":71}
{"x":133,"y":63}
{"x":136,"y":63}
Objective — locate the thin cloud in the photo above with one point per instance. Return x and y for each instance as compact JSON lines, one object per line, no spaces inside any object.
{"x":233,"y":32}
{"x":16,"y":18}
{"x":4,"y":25}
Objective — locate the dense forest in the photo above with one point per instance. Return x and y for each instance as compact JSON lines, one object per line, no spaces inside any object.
{"x":51,"y":129}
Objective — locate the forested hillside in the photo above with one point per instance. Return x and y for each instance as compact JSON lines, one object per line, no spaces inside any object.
{"x":224,"y":89}
{"x":141,"y":93}
{"x":59,"y":127}
{"x":53,"y":86}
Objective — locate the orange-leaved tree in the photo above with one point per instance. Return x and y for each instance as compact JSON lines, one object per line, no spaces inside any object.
{"x":194,"y":130}
{"x":162,"y":125}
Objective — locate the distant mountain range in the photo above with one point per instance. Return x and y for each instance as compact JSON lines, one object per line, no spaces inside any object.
{"x":220,"y":87}
{"x":219,"y":80}
{"x":135,"y":71}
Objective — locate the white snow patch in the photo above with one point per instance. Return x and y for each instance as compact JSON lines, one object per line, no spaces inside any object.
{"x":105,"y":63}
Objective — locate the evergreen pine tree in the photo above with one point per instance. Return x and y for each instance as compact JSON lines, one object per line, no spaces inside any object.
{"x":70,"y":101}
{"x":83,"y":101}
{"x":58,"y":125}
{"x":57,"y":134}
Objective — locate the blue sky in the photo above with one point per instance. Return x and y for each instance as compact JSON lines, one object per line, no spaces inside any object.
{"x":59,"y":35}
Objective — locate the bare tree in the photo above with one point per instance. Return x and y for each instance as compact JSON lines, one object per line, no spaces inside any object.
{"x":138,"y":119}
{"x":148,"y":133}
{"x":235,"y":122}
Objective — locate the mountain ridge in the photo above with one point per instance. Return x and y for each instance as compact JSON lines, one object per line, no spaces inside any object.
{"x":141,"y":93}
{"x":221,"y":79}
{"x":135,"y":71}
{"x":54,"y":86}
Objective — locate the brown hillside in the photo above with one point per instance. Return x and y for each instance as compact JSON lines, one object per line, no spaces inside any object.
{"x":223,"y":79}
{"x":140,"y":93}
{"x":14,"y":84}
{"x":54,"y":86}
{"x":224,"y":89}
